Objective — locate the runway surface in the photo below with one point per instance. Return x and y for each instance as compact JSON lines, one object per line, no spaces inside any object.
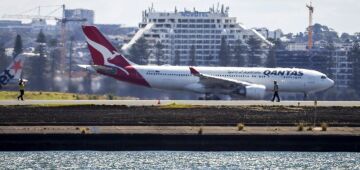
{"x":221,"y":130}
{"x":181,"y":102}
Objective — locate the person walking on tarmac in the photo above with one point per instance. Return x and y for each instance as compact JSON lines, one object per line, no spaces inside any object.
{"x":276,"y":92}
{"x":22,"y":89}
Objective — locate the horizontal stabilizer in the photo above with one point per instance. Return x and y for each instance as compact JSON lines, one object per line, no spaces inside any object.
{"x":101,"y":69}
{"x":87,"y":67}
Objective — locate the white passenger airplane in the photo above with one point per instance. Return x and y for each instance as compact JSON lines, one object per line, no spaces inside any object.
{"x":12,"y":74}
{"x":249,"y":82}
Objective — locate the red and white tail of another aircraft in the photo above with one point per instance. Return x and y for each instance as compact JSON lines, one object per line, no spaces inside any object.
{"x":249,"y":82}
{"x":12,"y":74}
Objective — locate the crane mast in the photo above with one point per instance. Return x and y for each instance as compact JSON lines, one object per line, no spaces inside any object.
{"x":63,"y":20}
{"x":310,"y":27}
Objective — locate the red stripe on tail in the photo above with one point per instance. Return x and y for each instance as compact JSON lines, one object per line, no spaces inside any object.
{"x":102,"y":51}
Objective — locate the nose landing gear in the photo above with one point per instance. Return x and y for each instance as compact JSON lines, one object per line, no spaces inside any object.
{"x":305,"y":96}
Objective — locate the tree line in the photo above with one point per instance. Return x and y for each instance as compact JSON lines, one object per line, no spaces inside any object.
{"x":243,"y":53}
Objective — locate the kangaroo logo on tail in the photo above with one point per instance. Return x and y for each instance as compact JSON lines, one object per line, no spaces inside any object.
{"x":107,"y":55}
{"x":102,"y":52}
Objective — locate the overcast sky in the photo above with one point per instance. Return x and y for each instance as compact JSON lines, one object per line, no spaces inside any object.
{"x":288,"y":15}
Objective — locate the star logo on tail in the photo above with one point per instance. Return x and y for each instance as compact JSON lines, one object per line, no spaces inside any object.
{"x":17,"y":66}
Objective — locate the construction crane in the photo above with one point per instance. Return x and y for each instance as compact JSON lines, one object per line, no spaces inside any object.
{"x":310,"y":28}
{"x":63,"y":20}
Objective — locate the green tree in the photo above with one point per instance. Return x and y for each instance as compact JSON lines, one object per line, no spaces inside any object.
{"x":41,"y":38}
{"x":38,"y":74}
{"x":224,"y":54}
{"x":345,"y":37}
{"x":349,"y":94}
{"x":271,"y":58}
{"x":192,"y":61}
{"x":4,"y":60}
{"x":87,"y":81}
{"x":18,"y":47}
{"x":109,"y":86}
{"x":240,"y":51}
{"x":354,"y":56}
{"x":159,"y":53}
{"x":71,"y":86}
{"x":330,"y":47}
{"x":254,"y":51}
{"x":177,"y":58}
{"x":139,"y":51}
{"x":322,"y":32}
{"x":55,"y":54}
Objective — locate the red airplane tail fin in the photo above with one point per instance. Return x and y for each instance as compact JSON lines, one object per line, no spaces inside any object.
{"x":102,"y":51}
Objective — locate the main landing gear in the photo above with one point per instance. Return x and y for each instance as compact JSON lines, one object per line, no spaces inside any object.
{"x":209,"y":96}
{"x":305,"y":96}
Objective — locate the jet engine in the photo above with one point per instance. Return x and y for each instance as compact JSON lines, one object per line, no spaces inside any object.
{"x":103,"y":69}
{"x":253,"y":91}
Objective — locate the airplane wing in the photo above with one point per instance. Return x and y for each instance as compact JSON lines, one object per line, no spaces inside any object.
{"x":215,"y":81}
{"x":229,"y":86}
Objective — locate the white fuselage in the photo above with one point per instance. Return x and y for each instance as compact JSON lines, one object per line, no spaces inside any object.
{"x":289,"y":79}
{"x":244,"y":81}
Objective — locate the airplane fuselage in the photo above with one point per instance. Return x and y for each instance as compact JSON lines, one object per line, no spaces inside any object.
{"x":251,"y":82}
{"x":180,"y":78}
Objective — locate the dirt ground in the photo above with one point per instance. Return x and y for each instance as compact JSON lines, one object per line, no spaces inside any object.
{"x":193,"y":116}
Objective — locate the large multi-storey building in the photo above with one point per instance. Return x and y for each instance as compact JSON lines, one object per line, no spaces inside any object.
{"x":79,"y":14}
{"x":179,"y":31}
{"x":342,"y":68}
{"x":334,"y":63}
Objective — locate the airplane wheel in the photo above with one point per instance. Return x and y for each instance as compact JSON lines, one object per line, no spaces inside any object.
{"x":212,"y":97}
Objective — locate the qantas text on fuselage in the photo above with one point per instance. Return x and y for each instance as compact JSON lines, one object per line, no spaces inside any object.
{"x":250,"y":82}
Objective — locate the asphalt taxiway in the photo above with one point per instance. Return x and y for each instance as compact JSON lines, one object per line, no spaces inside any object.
{"x":182,"y":102}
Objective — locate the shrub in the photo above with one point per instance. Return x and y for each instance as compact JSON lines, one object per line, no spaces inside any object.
{"x":300,"y":126}
{"x":324,"y":126}
{"x":200,"y":132}
{"x":110,"y":97}
{"x":240,"y":126}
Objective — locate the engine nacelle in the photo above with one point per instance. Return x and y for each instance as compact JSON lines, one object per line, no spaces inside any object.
{"x":253,"y":91}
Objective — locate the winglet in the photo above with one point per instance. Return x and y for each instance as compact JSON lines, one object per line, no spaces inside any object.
{"x":193,"y":71}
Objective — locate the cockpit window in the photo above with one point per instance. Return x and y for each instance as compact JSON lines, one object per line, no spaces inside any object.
{"x":323,"y":77}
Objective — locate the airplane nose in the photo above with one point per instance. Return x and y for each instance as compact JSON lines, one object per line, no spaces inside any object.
{"x":331,"y":83}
